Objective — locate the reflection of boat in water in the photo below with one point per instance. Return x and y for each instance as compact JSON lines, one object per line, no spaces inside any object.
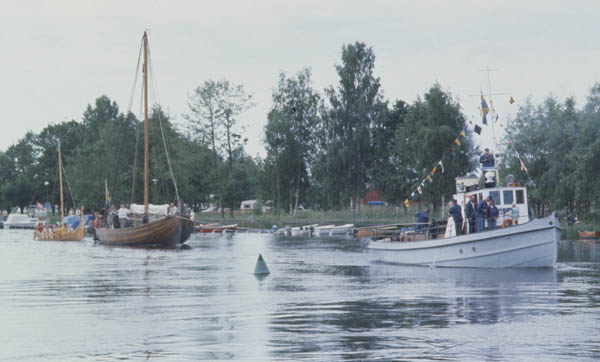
{"x":588,"y":234}
{"x":168,"y":230}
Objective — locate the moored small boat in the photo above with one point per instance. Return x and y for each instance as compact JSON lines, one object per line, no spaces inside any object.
{"x":217,"y":228}
{"x":584,"y":234}
{"x":342,"y":229}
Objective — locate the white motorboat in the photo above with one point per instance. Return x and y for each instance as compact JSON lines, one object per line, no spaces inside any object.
{"x":521,"y":242}
{"x":20,"y":221}
{"x":346,"y":229}
{"x":299,"y":230}
{"x":323,"y":230}
{"x":530,"y":245}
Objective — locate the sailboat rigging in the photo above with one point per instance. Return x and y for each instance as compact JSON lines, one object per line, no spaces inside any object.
{"x":168,"y":230}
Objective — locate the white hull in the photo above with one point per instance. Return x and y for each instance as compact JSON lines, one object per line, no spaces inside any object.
{"x":531,"y":245}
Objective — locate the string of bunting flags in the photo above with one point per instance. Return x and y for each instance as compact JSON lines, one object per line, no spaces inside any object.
{"x":485,"y":109}
{"x":440,"y":164}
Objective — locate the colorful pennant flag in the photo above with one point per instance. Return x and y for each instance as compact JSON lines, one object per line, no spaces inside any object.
{"x":477,"y":129}
{"x":457,"y":141}
{"x":441,"y":165}
{"x":484,"y":110}
{"x":462,"y":133}
{"x":406,"y":203}
{"x":429,"y":178}
{"x":420,"y":190}
{"x":433,"y":171}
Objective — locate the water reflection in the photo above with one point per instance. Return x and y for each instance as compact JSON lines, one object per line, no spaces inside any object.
{"x":325,"y":299}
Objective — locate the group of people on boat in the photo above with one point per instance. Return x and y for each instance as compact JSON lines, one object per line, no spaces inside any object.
{"x":112,"y":218}
{"x":479,"y":215}
{"x":49,"y":231}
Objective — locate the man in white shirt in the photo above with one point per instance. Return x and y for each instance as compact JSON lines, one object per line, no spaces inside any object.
{"x":172,"y":209}
{"x":123,"y":214}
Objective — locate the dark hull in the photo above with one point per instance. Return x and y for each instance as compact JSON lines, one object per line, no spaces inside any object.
{"x":167,"y":232}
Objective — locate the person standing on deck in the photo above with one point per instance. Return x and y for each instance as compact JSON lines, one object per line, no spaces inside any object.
{"x":487,"y":160}
{"x":123,"y":214}
{"x":471,"y":212}
{"x":456,"y":213}
{"x":493,"y":214}
{"x":515,"y":214}
{"x":421,"y":219}
{"x":482,"y":214}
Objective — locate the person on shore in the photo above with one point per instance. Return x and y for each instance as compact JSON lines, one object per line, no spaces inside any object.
{"x":493,"y":214}
{"x":471,"y":211}
{"x":456,"y":213}
{"x":487,"y":159}
{"x":422,"y":219}
{"x":482,"y":214}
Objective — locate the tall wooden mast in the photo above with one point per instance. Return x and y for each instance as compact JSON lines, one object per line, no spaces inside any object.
{"x":62,"y":202}
{"x":146,"y":171}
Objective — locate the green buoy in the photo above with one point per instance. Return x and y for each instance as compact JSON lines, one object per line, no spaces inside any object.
{"x":261,"y":267}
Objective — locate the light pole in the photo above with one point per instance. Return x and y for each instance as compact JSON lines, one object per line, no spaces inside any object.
{"x":155,"y":182}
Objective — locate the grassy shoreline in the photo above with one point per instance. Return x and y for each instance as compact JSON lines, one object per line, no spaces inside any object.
{"x":367,"y":217}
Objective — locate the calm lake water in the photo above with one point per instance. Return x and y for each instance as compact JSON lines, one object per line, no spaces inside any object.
{"x":325,"y":300}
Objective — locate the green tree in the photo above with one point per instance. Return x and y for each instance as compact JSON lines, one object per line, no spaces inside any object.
{"x":289,"y":137}
{"x":355,"y":107}
{"x":426,"y":136}
{"x":214,"y":110}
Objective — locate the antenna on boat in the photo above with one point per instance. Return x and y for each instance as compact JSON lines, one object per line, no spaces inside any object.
{"x":493,"y":115}
{"x":488,"y":70}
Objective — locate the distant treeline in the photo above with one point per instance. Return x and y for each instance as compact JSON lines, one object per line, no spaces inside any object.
{"x":324,"y":150}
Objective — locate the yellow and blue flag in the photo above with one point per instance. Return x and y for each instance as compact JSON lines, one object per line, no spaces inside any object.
{"x":484,"y":110}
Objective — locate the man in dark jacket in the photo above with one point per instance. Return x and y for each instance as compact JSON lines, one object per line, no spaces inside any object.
{"x":482,"y":214}
{"x":487,"y":160}
{"x":456,"y":213}
{"x":493,"y":214}
{"x":472,"y":214}
{"x":421,"y":219}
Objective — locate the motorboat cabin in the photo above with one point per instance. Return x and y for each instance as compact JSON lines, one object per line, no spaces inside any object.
{"x":504,"y":198}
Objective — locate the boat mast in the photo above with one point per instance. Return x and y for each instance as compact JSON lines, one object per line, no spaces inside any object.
{"x":62,"y":203}
{"x":146,"y":171}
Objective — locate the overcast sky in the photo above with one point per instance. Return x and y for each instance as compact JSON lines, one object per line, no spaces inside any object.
{"x":58,"y":56}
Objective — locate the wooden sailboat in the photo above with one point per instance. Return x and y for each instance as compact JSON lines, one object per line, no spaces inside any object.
{"x":167,"y":231}
{"x":61,"y":234}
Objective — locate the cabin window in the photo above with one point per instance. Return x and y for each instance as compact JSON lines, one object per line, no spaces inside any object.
{"x":508,"y":197}
{"x":496,"y":196}
{"x":520,"y":196}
